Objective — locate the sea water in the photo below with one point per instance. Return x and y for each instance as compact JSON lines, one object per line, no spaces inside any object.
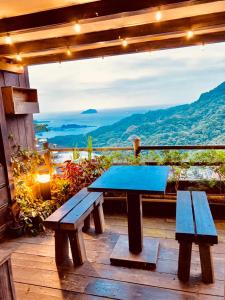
{"x":55,"y":121}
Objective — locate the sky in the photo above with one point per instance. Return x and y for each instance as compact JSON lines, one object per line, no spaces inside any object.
{"x":158,"y":78}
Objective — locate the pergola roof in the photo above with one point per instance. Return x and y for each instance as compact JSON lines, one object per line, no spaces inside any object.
{"x":43,"y":31}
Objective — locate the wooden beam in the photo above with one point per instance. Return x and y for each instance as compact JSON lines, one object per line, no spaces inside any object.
{"x":162,"y":28}
{"x":11,"y":67}
{"x":90,"y":10}
{"x":132,"y":48}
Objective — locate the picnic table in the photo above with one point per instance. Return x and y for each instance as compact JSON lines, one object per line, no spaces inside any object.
{"x":131,"y":250}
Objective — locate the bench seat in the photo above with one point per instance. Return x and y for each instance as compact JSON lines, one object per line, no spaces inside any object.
{"x":70,"y":219}
{"x":194,"y":224}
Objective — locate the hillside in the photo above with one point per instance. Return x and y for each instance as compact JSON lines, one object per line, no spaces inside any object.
{"x":201,"y":122}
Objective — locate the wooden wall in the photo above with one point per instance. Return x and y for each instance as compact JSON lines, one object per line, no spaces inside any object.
{"x":20,"y":127}
{"x":14,"y":130}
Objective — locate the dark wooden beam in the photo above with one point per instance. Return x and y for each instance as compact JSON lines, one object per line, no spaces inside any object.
{"x":131,"y":48}
{"x":77,"y":12}
{"x":164,"y":28}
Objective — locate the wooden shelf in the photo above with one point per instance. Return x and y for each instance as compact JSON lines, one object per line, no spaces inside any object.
{"x":19,"y":101}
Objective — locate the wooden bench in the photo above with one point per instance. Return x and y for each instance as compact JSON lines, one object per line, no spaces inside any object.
{"x":194,"y":223}
{"x":68,"y":222}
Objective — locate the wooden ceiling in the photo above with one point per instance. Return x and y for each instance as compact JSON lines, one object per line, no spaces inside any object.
{"x":43,"y":31}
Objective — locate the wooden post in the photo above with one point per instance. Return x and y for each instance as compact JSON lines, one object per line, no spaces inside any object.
{"x":136,"y":145}
{"x":61,"y":247}
{"x":135,"y":233}
{"x":206,"y":263}
{"x":184,"y":262}
{"x":77,"y":247}
{"x":98,"y":216}
{"x":87,"y":223}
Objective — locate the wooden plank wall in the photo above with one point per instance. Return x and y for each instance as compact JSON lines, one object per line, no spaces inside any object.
{"x":19,"y":127}
{"x":14,"y":130}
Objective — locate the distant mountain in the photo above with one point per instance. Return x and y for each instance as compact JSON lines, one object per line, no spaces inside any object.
{"x":201,"y":122}
{"x":90,"y":111}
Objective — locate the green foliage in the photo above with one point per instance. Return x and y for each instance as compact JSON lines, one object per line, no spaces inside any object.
{"x":76,"y":154}
{"x":90,"y":147}
{"x":28,"y":209}
{"x":33,"y":210}
{"x":60,"y":189}
{"x":25,"y":163}
{"x":40,"y":127}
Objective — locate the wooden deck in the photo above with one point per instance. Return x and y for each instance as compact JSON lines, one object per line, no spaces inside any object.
{"x":36,"y":275}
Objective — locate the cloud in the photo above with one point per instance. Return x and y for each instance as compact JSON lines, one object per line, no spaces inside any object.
{"x":166,"y":77}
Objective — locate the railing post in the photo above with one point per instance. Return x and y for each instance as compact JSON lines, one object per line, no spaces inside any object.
{"x":136,"y":145}
{"x":47,"y":157}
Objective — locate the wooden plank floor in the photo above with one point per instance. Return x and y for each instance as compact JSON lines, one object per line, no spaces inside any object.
{"x":37,"y":277}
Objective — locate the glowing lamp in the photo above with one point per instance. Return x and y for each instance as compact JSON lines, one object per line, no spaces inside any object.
{"x":68,"y":52}
{"x":124,"y":43}
{"x":21,"y":68}
{"x":190,"y":34}
{"x":158,"y":16}
{"x":8,"y":39}
{"x":43,"y":177}
{"x":18,"y":57}
{"x":77,"y":28}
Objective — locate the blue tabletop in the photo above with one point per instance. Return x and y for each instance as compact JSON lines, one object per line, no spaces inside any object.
{"x":141,"y":179}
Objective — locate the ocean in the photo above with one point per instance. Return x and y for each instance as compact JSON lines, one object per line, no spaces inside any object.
{"x":55,"y":121}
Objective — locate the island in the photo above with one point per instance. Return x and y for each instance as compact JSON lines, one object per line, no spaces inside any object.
{"x":89,"y":111}
{"x":39,"y":128}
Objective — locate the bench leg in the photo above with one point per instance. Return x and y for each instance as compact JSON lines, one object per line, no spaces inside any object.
{"x":61,"y":247}
{"x":77,"y":247}
{"x":184,"y":262}
{"x":206,"y":263}
{"x":98,"y":216}
{"x":87,"y":223}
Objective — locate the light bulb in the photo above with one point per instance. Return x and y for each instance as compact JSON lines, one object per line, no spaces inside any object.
{"x":158,"y":16}
{"x":8,"y":40}
{"x":124,"y":43}
{"x":190,"y":34}
{"x":77,"y":28}
{"x":18,"y":57}
{"x":68,"y":52}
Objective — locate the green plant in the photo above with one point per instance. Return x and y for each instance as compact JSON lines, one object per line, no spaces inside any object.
{"x":76,"y":154}
{"x":60,"y":189}
{"x":33,"y":210}
{"x":25,"y":164}
{"x":28,"y":208}
{"x":90,"y":147}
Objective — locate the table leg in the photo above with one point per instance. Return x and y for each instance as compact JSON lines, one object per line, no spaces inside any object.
{"x":135,"y":222}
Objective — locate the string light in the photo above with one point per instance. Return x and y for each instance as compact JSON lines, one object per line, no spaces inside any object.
{"x":190,"y":34}
{"x":77,"y":28}
{"x":21,"y":68}
{"x":68,"y":52}
{"x":8,"y":39}
{"x":18,"y":57}
{"x":124,"y":43}
{"x":158,"y":16}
